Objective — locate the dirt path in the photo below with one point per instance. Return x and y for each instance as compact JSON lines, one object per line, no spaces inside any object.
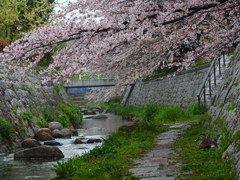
{"x":156,"y":164}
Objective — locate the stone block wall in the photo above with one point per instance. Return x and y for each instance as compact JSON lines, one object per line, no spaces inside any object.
{"x":21,"y":95}
{"x":226,"y":107}
{"x":180,"y":90}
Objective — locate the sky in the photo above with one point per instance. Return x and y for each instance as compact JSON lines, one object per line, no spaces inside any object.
{"x":65,"y":2}
{"x":62,"y":2}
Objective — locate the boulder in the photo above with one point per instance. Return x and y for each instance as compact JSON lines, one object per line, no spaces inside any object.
{"x":55,"y":125}
{"x":100,"y":116}
{"x":52,"y":143}
{"x":89,"y":112}
{"x":88,"y":117}
{"x":83,"y":110}
{"x":79,"y":141}
{"x":29,"y":143}
{"x":74,"y":132}
{"x":39,"y":153}
{"x":57,"y":133}
{"x":94,"y":140}
{"x":105,"y":111}
{"x":40,"y":130}
{"x":43,"y":136}
{"x":97,"y":109}
{"x":66,"y":132}
{"x":128,"y":128}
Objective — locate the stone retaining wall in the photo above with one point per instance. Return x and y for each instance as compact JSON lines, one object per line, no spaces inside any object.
{"x":226,"y":107}
{"x":180,"y":90}
{"x":25,"y":95}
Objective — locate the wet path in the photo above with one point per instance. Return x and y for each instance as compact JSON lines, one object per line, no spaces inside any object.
{"x":157,"y":163}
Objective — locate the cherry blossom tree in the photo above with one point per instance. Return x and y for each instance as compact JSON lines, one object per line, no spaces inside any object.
{"x":130,"y":39}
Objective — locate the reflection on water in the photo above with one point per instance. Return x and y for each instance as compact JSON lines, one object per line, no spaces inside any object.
{"x":92,"y":128}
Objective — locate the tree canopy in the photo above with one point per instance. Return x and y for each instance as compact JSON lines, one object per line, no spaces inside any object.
{"x":131,"y":38}
{"x":18,"y":16}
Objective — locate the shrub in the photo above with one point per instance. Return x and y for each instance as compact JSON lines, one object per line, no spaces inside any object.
{"x":171,"y":114}
{"x":196,"y":109}
{"x":150,"y":111}
{"x":74,"y":114}
{"x":63,"y":119}
{"x":58,"y":89}
{"x":115,"y":99}
{"x":6,"y":131}
{"x":42,"y":122}
{"x":27,"y":116}
{"x":48,"y":116}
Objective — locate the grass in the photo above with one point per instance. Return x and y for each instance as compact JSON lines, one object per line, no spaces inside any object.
{"x":6,"y":131}
{"x":111,"y":161}
{"x":198,"y":164}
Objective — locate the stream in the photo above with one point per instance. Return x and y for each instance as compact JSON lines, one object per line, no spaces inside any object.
{"x":91,"y":128}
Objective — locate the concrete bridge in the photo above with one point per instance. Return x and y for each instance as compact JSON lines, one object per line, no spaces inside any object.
{"x":90,"y":83}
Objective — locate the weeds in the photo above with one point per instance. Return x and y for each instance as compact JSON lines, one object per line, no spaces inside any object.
{"x":74,"y":114}
{"x":200,"y":164}
{"x":111,"y":160}
{"x":27,"y":116}
{"x":42,"y":122}
{"x":6,"y":131}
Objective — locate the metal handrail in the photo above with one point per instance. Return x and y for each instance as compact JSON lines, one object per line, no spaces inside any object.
{"x":207,"y":80}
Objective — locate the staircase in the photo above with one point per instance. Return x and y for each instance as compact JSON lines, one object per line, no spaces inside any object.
{"x":213,"y":79}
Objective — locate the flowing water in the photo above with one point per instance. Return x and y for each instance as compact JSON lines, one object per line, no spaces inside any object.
{"x":91,"y":128}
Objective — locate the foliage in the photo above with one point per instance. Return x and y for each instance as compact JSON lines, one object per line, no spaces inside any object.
{"x":42,"y":122}
{"x":132,"y":38}
{"x":115,"y":99}
{"x":230,"y":107}
{"x":155,"y":111}
{"x":111,"y":160}
{"x":196,"y":109}
{"x":27,"y":116}
{"x":198,"y":164}
{"x":199,"y":63}
{"x":74,"y":114}
{"x":48,"y":115}
{"x":6,"y":131}
{"x":46,"y":60}
{"x":63,"y":119}
{"x":172,"y":114}
{"x":149,"y":111}
{"x":29,"y":90}
{"x":128,"y":110}
{"x":18,"y":16}
{"x":58,"y":89}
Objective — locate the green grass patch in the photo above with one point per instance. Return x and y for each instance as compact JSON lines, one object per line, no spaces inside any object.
{"x":111,"y":160}
{"x":199,"y":164}
{"x":155,"y":111}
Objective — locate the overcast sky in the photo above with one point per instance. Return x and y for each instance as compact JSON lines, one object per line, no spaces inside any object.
{"x":62,"y":2}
